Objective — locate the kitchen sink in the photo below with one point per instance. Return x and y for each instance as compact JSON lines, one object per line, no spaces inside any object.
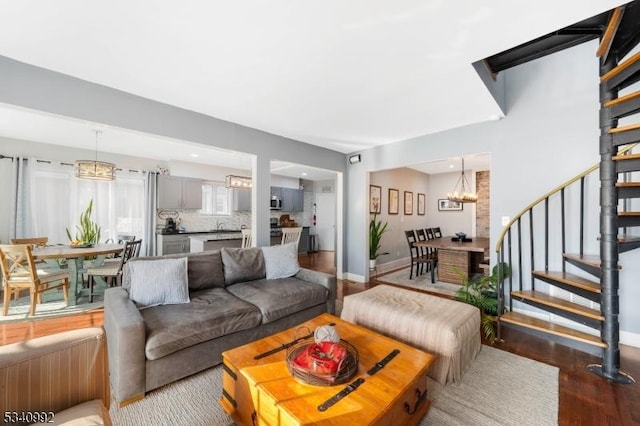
{"x":221,"y":231}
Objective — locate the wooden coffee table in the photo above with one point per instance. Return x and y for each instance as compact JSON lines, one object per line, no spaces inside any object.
{"x":264,"y":392}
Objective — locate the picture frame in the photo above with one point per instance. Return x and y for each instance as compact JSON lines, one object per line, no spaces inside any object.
{"x":421,"y":204}
{"x":408,"y":203}
{"x":445,"y":205}
{"x":375,"y":199}
{"x":394,"y":201}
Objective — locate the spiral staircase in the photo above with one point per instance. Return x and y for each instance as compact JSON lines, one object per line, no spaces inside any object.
{"x":578,"y":305}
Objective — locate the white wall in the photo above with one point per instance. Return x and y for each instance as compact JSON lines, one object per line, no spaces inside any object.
{"x":549,"y":135}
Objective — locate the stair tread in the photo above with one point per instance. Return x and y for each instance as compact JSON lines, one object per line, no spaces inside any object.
{"x":622,"y":99}
{"x":559,"y":303}
{"x":571,"y":279}
{"x":588,"y":259}
{"x":628,"y":238}
{"x":625,"y":157}
{"x":628,"y":184}
{"x":626,"y":128}
{"x":629,"y":214}
{"x":621,"y":67}
{"x":551,"y":328}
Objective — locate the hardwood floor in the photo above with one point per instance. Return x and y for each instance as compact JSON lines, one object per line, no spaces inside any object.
{"x":584,"y":398}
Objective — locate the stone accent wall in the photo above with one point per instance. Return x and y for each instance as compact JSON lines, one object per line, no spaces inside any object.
{"x":483,"y":204}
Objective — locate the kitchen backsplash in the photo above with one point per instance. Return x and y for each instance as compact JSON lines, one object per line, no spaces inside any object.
{"x":192,"y":220}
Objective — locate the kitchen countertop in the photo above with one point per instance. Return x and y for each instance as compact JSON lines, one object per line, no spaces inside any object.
{"x":212,"y":231}
{"x":216,"y":236}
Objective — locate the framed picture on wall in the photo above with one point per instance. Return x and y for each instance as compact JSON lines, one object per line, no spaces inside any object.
{"x":375,"y":199}
{"x":445,"y":205}
{"x":421,"y":204}
{"x":408,"y":202}
{"x":394,"y":201}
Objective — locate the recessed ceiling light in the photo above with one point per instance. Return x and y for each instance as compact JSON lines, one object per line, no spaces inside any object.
{"x":451,"y":166}
{"x":304,"y":174}
{"x":194,"y":155}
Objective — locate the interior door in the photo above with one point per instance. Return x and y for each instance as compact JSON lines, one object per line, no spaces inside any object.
{"x":326,"y":221}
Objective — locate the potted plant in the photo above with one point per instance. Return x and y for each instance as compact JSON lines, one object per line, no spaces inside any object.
{"x":376,"y":229}
{"x":87,"y":232}
{"x":482,"y":292}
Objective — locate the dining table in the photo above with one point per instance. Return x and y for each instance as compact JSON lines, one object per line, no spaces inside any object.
{"x":77,"y":256}
{"x":458,"y":259}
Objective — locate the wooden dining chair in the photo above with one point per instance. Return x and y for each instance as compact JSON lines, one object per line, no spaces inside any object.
{"x":291,"y":235}
{"x":246,"y":238}
{"x":112,"y":271}
{"x":19,"y":271}
{"x":437,"y":232}
{"x":417,"y":258}
{"x":35,"y":242}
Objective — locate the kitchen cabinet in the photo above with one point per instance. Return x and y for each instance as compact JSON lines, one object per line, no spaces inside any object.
{"x":241,"y":200}
{"x":172,"y":244}
{"x":276,"y":191}
{"x":175,"y":192}
{"x":292,"y":200}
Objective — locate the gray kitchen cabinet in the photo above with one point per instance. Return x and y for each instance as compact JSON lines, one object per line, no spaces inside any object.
{"x":241,"y":200}
{"x":175,"y":192}
{"x":217,"y":245}
{"x":172,"y":244}
{"x":276,"y":191}
{"x":292,"y":200}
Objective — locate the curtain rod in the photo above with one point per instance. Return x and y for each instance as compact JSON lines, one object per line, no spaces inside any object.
{"x":71,"y":164}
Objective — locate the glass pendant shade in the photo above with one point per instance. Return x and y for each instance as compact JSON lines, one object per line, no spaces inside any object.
{"x":238,"y":182}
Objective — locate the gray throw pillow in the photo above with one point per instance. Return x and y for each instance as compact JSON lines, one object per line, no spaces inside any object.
{"x":242,"y":264}
{"x":158,"y":282}
{"x":281,"y":261}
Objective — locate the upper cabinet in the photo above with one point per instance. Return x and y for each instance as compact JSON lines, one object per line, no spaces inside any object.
{"x":292,"y":200}
{"x":241,"y":200}
{"x":175,"y":192}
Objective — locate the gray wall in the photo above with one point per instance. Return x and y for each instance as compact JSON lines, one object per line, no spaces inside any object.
{"x":549,"y":135}
{"x":40,"y":89}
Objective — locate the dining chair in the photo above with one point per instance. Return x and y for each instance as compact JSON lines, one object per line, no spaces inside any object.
{"x":417,"y":258}
{"x":291,"y":235}
{"x":111,"y":271}
{"x":430,"y":233}
{"x":246,"y":238}
{"x":436,"y":232}
{"x":35,"y":242}
{"x":121,"y":239}
{"x":421,"y":235}
{"x":19,"y":271}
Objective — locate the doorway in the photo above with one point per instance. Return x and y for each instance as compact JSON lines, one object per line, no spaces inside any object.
{"x":326,"y":221}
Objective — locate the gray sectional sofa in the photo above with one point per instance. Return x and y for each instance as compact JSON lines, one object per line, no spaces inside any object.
{"x":230,"y":302}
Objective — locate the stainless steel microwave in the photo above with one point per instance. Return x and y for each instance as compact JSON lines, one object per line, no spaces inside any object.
{"x":276,"y":203}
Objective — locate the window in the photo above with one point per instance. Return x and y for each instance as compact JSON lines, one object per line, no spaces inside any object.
{"x":58,"y":199}
{"x":216,"y":199}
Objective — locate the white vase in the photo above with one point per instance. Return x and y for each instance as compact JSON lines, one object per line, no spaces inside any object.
{"x":372,"y":263}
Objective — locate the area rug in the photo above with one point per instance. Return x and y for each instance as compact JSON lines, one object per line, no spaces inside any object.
{"x":19,"y":309}
{"x":499,"y":388}
{"x":421,"y":282}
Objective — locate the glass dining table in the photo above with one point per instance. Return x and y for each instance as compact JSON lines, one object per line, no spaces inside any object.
{"x":77,"y":256}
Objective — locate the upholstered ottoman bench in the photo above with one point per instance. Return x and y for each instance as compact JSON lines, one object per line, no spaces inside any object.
{"x":443,"y":327}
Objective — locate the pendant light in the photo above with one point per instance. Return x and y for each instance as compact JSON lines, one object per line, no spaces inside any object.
{"x":94,"y":169}
{"x":238,"y":182}
{"x":462,"y":191}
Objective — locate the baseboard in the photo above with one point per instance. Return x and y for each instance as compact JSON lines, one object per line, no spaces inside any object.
{"x":354,"y":277}
{"x":383,"y":268}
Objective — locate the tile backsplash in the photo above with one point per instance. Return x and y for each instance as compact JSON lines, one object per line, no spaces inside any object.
{"x":193,"y":221}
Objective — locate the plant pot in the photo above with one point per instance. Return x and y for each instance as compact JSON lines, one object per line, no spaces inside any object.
{"x":372,"y":263}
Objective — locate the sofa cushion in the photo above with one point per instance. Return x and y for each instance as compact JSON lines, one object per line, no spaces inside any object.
{"x":242,"y":264}
{"x":90,"y":413}
{"x":281,"y":261}
{"x":158,"y":282}
{"x":278,"y":298}
{"x":210,"y":314}
{"x":204,"y":269}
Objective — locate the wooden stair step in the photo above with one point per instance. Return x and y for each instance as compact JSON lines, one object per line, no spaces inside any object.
{"x":551,"y":328}
{"x":624,"y":74}
{"x":629,"y":214}
{"x":588,"y":259}
{"x":625,"y":135}
{"x":624,"y":105}
{"x":628,"y":189}
{"x":558,"y":303}
{"x":628,"y":242}
{"x":610,"y":33}
{"x":570,"y":279}
{"x":627,"y":162}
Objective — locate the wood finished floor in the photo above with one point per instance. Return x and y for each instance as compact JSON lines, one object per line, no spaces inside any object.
{"x":585,"y":399}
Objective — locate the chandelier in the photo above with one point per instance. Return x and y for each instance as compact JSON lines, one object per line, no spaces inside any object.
{"x":462,"y":191}
{"x":238,"y":182}
{"x":94,"y":169}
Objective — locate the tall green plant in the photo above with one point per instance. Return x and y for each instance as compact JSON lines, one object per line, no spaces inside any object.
{"x":88,"y":231}
{"x":482,"y":292}
{"x":376,"y":229}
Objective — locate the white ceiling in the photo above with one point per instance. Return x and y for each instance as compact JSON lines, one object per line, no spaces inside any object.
{"x":345,"y":75}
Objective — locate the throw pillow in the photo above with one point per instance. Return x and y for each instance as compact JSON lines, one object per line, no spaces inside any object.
{"x":242,"y":265}
{"x":158,"y":282}
{"x":281,"y":261}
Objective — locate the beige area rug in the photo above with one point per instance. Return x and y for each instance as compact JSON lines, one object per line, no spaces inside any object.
{"x":498,"y":389}
{"x":421,"y":282}
{"x":19,"y":309}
